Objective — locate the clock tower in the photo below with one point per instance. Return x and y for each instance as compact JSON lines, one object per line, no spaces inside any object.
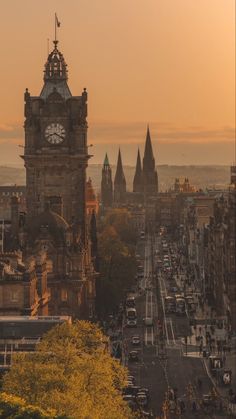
{"x":56,"y":157}
{"x":56,"y":152}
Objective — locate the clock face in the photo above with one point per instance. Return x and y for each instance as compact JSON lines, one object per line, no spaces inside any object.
{"x":55,"y":133}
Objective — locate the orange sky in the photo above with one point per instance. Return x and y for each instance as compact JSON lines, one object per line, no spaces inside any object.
{"x":167,"y":62}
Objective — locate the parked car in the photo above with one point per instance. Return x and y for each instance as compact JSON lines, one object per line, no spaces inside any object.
{"x":141,"y":399}
{"x":133,"y":356}
{"x":131,"y":323}
{"x":135,"y":340}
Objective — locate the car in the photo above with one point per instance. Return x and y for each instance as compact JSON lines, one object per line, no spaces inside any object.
{"x":129,"y":384}
{"x":131,"y":323}
{"x":142,"y":399}
{"x":128,"y":397}
{"x":130,"y":301}
{"x":133,"y":356}
{"x":135,"y":340}
{"x":131,"y":379}
{"x":148,"y":321}
{"x":145,"y":391}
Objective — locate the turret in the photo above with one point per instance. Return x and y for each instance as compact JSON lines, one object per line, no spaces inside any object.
{"x":106,"y":184}
{"x":119,"y":182}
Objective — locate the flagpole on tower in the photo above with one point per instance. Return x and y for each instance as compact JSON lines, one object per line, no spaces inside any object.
{"x":57,"y":25}
{"x":55,"y":37}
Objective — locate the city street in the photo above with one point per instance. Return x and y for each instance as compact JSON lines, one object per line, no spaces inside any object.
{"x":152,"y":370}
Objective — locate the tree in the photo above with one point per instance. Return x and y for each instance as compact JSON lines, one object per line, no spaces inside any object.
{"x":117,"y":264}
{"x":17,"y":408}
{"x":72,"y":373}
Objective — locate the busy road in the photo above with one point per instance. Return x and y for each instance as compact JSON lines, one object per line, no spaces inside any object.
{"x":161,"y":376}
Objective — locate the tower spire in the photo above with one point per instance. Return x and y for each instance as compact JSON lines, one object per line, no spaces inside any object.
{"x":106,"y":184}
{"x":148,"y":152}
{"x":119,"y":176}
{"x":150,"y":179}
{"x":119,"y":182}
{"x":138,"y":181}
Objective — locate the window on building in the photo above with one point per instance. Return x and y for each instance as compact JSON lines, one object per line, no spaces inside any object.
{"x":14,"y":296}
{"x":64,"y":295}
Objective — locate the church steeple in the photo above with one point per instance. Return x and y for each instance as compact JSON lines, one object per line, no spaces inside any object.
{"x":119,"y":182}
{"x":138,"y":177}
{"x":150,"y":179}
{"x":106,"y":184}
{"x":148,"y":160}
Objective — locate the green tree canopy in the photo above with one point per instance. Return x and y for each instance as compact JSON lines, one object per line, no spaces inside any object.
{"x":72,"y":373}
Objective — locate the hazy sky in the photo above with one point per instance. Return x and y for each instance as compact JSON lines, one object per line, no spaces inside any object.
{"x":169,"y":63}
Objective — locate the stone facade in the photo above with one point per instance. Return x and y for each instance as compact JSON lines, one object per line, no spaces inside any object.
{"x":56,"y":224}
{"x":23,"y":287}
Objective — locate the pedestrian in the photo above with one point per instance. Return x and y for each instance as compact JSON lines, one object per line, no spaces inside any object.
{"x":194,"y":406}
{"x":199,"y":383}
{"x":182,"y":406}
{"x":200,"y":348}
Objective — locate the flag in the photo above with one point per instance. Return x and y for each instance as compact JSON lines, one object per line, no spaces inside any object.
{"x":57,"y":21}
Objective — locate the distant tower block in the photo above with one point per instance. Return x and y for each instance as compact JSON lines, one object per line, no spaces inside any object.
{"x":150,"y":179}
{"x":119,"y":183}
{"x":106,"y":184}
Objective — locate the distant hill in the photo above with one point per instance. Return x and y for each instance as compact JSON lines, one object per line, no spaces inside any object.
{"x":199,"y":176}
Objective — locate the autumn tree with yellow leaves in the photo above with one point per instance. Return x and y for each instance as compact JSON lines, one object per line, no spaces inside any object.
{"x":71,"y":373}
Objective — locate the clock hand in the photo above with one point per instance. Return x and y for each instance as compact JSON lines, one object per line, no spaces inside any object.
{"x":60,"y":136}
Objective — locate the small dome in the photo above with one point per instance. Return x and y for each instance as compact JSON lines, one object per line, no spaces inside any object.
{"x":55,"y":75}
{"x":55,"y":67}
{"x":48,"y":221}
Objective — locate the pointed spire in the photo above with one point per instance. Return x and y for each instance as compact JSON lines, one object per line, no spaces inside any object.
{"x":106,"y":161}
{"x":106,"y":184}
{"x":150,"y":179}
{"x":138,"y":178}
{"x":148,"y":153}
{"x":119,"y":182}
{"x":119,"y":176}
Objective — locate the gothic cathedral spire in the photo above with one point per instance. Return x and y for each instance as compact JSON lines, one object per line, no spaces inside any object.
{"x":119,"y":182}
{"x":150,"y":179}
{"x":106,"y":184}
{"x":138,"y":177}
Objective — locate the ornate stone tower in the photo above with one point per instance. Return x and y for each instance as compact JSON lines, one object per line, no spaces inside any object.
{"x":138,"y":177}
{"x":119,"y":183}
{"x":56,"y":151}
{"x":56,"y":157}
{"x":150,"y":179}
{"x":106,"y":184}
